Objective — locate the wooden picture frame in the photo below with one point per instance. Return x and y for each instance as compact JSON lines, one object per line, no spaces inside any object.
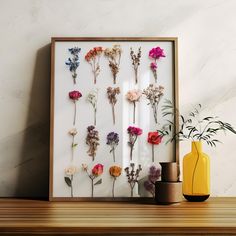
{"x":62,"y":108}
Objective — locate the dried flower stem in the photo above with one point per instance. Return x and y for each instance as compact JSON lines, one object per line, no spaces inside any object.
{"x":153,"y":152}
{"x":95,"y":116}
{"x":71,"y":188}
{"x":154,"y":94}
{"x":114,"y":54}
{"x":72,"y":147}
{"x":113,"y":187}
{"x":132,"y":176}
{"x":92,"y":177}
{"x":75,"y":111}
{"x":113,"y":113}
{"x":134,"y":112}
{"x":135,"y":62}
{"x":113,"y":154}
{"x":111,"y":94}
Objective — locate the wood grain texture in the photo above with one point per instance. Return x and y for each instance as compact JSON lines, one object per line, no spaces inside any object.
{"x":215,"y":216}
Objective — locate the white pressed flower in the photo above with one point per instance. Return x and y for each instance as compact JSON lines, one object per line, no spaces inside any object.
{"x":71,"y":170}
{"x":73,"y":132}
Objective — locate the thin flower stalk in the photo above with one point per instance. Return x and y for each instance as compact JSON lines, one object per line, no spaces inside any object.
{"x":135,"y":61}
{"x":154,"y":94}
{"x":69,"y":177}
{"x":154,"y":138}
{"x":112,"y":97}
{"x":96,"y":172}
{"x":132,"y":176}
{"x":134,"y":96}
{"x":133,"y":132}
{"x":75,"y":96}
{"x":73,"y":132}
{"x":92,"y":98}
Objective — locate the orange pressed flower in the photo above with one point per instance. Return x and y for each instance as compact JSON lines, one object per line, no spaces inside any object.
{"x":115,"y":171}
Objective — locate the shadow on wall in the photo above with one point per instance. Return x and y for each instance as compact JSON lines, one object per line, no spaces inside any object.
{"x":33,"y":170}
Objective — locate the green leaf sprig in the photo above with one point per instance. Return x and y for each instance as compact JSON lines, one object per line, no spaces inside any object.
{"x":192,"y":126}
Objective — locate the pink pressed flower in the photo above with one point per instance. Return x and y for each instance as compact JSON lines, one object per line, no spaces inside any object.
{"x":97,"y":170}
{"x":153,"y":66}
{"x":134,"y":130}
{"x":156,"y":53}
{"x":75,"y":95}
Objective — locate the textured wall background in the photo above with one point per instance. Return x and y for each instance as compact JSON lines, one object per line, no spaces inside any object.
{"x":207,"y":74}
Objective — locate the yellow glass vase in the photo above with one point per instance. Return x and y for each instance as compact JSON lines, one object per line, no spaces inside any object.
{"x":196,"y":174}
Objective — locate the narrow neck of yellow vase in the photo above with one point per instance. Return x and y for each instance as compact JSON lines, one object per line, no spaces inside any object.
{"x":197,"y":146}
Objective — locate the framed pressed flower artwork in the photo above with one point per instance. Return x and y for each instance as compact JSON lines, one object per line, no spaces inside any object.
{"x":106,"y":110}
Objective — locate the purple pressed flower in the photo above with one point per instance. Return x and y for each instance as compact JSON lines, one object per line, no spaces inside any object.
{"x":153,"y":175}
{"x":113,"y":141}
{"x":148,"y":186}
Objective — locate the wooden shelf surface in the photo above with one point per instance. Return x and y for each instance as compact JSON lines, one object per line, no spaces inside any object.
{"x":215,"y":216}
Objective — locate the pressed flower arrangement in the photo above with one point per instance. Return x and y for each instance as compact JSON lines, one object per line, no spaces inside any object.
{"x":92,"y":98}
{"x":113,"y":141}
{"x":96,"y":172}
{"x":112,"y":97}
{"x":73,"y":62}
{"x":105,"y":140}
{"x":135,"y":61}
{"x":133,"y":133}
{"x":153,"y":175}
{"x":154,"y":138}
{"x":155,"y":54}
{"x":114,"y":55}
{"x":115,"y":172}
{"x":73,"y":132}
{"x":132,"y":175}
{"x":75,"y":96}
{"x":69,"y":177}
{"x":154,"y":94}
{"x":92,"y":140}
{"x":93,"y":58}
{"x":133,"y":97}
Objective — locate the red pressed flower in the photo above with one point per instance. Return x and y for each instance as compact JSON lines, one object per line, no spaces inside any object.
{"x":97,"y":170}
{"x":154,"y":138}
{"x":75,"y":95}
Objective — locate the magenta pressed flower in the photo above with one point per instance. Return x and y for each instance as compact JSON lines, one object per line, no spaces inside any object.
{"x":153,"y":66}
{"x":133,"y":132}
{"x":155,"y":54}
